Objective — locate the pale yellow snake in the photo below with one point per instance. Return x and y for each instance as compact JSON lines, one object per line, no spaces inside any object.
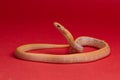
{"x":76,"y":48}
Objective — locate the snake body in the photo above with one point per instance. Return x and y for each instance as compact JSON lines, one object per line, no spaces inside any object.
{"x":76,"y":48}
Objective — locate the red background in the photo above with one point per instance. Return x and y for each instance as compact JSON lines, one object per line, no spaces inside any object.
{"x":30,"y":21}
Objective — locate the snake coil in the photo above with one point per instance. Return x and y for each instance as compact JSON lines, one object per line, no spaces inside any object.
{"x":76,"y":48}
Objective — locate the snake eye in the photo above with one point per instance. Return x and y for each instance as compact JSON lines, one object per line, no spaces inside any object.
{"x":58,"y":26}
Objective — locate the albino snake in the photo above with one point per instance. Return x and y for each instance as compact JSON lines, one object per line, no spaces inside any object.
{"x":76,"y":48}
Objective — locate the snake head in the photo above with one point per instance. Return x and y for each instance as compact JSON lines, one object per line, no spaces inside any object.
{"x":59,"y":27}
{"x":62,"y":30}
{"x":65,"y":33}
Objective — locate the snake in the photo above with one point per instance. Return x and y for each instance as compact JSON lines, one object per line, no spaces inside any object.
{"x":76,"y":47}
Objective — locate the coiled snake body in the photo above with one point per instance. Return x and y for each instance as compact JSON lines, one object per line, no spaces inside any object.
{"x":76,"y":48}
